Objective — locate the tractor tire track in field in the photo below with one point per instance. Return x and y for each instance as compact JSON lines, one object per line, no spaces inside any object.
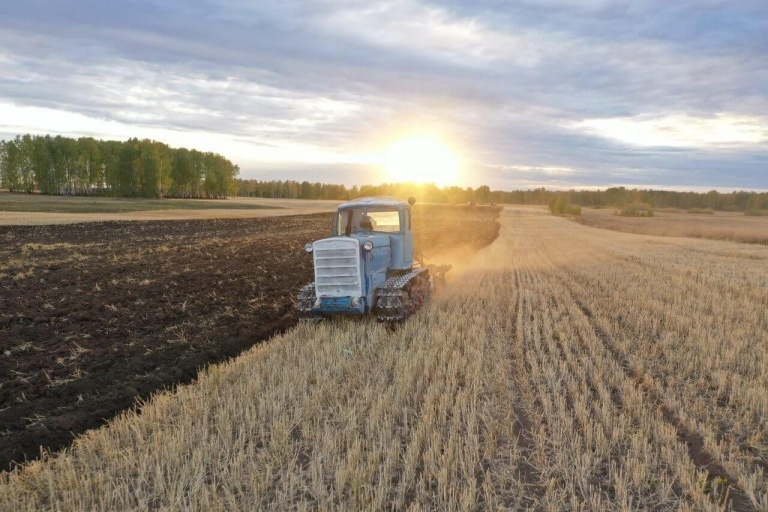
{"x":551,"y":397}
{"x":603,"y":351}
{"x":693,"y":441}
{"x":578,"y":381}
{"x":692,"y":281}
{"x":530,"y":478}
{"x":701,"y":288}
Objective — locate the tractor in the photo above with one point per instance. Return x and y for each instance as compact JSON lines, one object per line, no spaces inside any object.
{"x":367,"y":265}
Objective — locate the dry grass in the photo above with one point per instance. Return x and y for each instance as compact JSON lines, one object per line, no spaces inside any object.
{"x":568,"y":368}
{"x":731,"y":226}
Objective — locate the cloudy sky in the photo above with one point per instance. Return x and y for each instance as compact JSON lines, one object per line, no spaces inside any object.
{"x":554,"y":93}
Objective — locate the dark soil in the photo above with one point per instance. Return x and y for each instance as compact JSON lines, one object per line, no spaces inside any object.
{"x":95,"y":316}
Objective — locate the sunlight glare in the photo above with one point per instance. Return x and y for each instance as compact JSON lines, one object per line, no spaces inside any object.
{"x":420,"y":159}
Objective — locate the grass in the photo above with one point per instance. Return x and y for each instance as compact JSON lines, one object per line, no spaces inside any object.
{"x":566,"y":368}
{"x":731,"y":226}
{"x":636,"y":210}
{"x":78,"y":204}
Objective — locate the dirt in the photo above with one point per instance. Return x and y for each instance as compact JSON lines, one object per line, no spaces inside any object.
{"x":95,"y":317}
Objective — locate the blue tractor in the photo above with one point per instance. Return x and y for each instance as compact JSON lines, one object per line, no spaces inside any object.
{"x":367,"y":265}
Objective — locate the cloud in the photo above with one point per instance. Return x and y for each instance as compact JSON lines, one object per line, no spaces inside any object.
{"x":720,"y":131}
{"x":432,"y":32}
{"x":641,"y":92}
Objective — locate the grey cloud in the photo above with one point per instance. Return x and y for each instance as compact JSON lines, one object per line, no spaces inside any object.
{"x":253,"y":70}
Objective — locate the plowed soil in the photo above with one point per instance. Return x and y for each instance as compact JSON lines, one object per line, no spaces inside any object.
{"x":95,"y":317}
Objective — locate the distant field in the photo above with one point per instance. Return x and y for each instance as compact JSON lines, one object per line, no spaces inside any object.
{"x":79,"y":204}
{"x":732,"y":226}
{"x":40,"y":209}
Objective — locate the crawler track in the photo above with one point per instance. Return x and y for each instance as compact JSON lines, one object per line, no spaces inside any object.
{"x":402,"y":295}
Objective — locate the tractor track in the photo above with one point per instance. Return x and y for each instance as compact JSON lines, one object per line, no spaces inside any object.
{"x":608,"y":351}
{"x":555,"y":308}
{"x":535,"y":346}
{"x":528,"y":474}
{"x":709,"y":282}
{"x":706,"y":282}
{"x":692,"y":440}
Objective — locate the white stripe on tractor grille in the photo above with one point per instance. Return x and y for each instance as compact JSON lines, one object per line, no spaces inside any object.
{"x":337,"y":268}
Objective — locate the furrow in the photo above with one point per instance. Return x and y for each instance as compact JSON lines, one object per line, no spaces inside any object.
{"x":694,"y":441}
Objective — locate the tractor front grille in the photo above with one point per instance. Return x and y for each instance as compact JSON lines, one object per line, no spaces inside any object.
{"x":337,"y":267}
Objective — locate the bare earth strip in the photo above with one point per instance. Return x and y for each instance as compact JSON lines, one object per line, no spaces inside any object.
{"x":245,"y":208}
{"x":566,"y":368}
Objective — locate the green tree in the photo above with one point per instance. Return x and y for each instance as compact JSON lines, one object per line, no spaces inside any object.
{"x":91,"y":166}
{"x":182,"y":173}
{"x":483,"y":194}
{"x":42,"y":162}
{"x":9,"y":166}
{"x":26,"y":168}
{"x":129,"y":169}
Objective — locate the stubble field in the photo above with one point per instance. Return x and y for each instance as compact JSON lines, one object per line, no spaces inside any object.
{"x":731,"y":226}
{"x":566,"y":368}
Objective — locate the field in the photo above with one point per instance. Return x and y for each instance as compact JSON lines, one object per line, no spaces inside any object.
{"x":565,"y":368}
{"x":95,"y":315}
{"x":732,"y":226}
{"x":37,"y":209}
{"x":83,"y":204}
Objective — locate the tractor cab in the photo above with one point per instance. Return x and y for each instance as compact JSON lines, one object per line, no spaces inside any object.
{"x":382,"y":221}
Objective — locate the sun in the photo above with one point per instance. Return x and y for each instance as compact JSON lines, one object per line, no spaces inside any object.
{"x":420,"y":159}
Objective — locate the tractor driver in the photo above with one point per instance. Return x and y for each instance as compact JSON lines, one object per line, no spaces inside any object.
{"x":367,"y":223}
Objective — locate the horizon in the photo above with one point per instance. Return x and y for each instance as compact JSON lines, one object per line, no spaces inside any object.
{"x":699,"y":190}
{"x":584,"y":96}
{"x":361,"y":185}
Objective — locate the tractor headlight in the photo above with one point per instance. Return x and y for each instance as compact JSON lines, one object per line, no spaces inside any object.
{"x":308,"y":247}
{"x":368,"y":245}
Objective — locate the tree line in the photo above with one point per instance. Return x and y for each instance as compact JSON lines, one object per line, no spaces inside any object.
{"x":133,"y":168}
{"x":430,"y":193}
{"x":621,"y":196}
{"x":146,"y":168}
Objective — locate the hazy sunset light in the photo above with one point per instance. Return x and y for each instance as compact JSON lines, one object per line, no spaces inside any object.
{"x":420,"y":159}
{"x":396,"y":255}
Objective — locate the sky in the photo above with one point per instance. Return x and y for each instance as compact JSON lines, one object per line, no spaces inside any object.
{"x":553,"y":93}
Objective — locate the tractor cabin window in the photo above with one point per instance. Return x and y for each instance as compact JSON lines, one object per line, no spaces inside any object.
{"x":358,"y":220}
{"x":388,"y":222}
